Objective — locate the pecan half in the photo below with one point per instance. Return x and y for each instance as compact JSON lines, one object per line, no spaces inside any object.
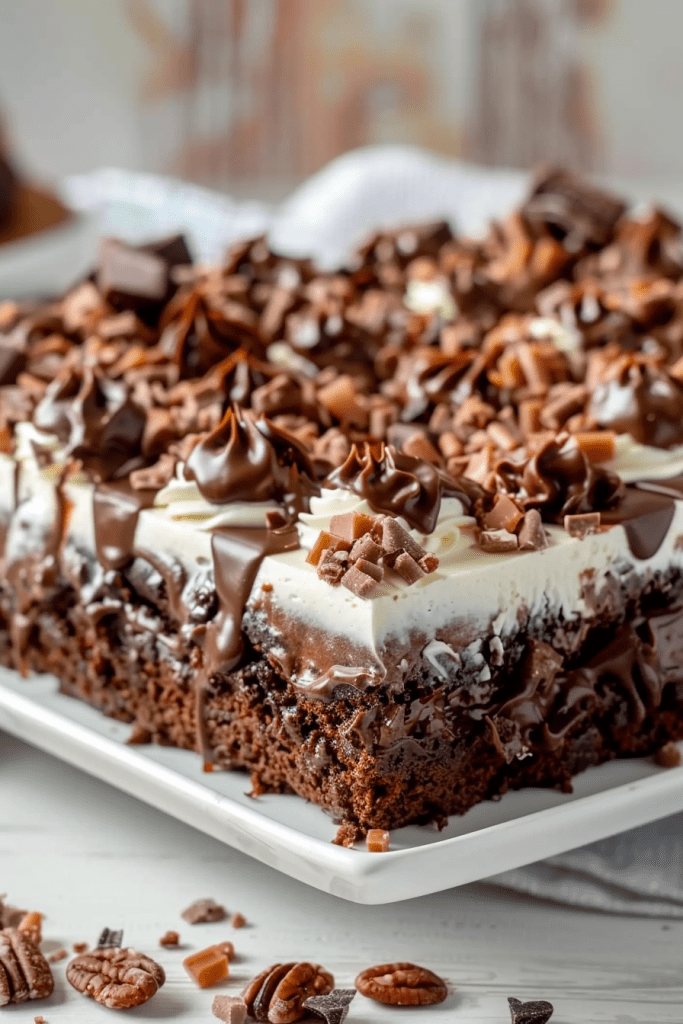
{"x":116,"y":978}
{"x":277,"y":994}
{"x":401,"y":984}
{"x":24,"y":971}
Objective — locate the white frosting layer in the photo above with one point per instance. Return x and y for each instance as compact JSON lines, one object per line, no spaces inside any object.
{"x":469,"y":585}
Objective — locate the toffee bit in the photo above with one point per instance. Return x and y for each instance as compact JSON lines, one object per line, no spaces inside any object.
{"x":207,"y":966}
{"x":377,"y":841}
{"x":170,"y":939}
{"x":238,"y":920}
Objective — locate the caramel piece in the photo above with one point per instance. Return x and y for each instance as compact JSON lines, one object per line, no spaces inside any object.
{"x":532,"y":535}
{"x":207,"y":966}
{"x":349,"y":526}
{"x":359,"y":583}
{"x":428,"y":562}
{"x":326,"y":542}
{"x":505,"y":514}
{"x":597,"y":445}
{"x":497,"y":541}
{"x":170,"y":939}
{"x":30,"y":926}
{"x":377,"y":841}
{"x":238,"y":920}
{"x":406,"y":566}
{"x":582,"y":525}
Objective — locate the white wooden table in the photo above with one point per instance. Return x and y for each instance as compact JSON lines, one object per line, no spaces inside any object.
{"x":89,"y":856}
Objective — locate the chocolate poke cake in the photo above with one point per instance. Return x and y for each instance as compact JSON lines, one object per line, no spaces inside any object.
{"x":397,"y":538}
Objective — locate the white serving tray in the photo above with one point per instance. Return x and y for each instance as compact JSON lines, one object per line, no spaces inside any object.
{"x":295,"y":837}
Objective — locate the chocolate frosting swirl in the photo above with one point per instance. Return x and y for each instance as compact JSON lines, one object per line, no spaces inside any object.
{"x":559,"y":480}
{"x":398,"y":484}
{"x":245,"y":459}
{"x":96,"y":419}
{"x":640,"y":399}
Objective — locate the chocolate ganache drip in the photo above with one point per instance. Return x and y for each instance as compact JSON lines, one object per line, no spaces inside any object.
{"x":249,"y":459}
{"x":559,"y":480}
{"x":398,"y":484}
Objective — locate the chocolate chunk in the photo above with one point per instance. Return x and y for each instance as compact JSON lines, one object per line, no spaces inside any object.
{"x":332,"y":566}
{"x":12,"y":362}
{"x":349,"y":526}
{"x":359,"y":583}
{"x":582,"y":525}
{"x":406,"y":566}
{"x":505,"y":514}
{"x":532,"y":535}
{"x":537,"y":1011}
{"x":578,"y":212}
{"x":110,"y":938}
{"x":170,"y":939}
{"x":497,"y":541}
{"x":333,"y":1007}
{"x":395,"y":540}
{"x":203,"y":911}
{"x":365,"y":547}
{"x":370,"y":569}
{"x":131,"y":278}
{"x":172,"y":250}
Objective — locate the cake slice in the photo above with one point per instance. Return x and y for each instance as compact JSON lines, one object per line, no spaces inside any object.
{"x":396,"y":538}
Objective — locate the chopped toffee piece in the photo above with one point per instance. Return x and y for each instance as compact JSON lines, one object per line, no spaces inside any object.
{"x":377,"y":840}
{"x":170,"y":938}
{"x":582,"y":525}
{"x":116,"y":978}
{"x":238,"y":920}
{"x":207,"y":966}
{"x":57,"y":955}
{"x":537,"y":1011}
{"x":401,"y":984}
{"x":203,"y":912}
{"x":79,"y":947}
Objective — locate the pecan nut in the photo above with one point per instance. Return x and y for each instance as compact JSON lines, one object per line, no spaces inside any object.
{"x":401,"y":984}
{"x":116,"y":978}
{"x":277,"y":995}
{"x":24,"y":971}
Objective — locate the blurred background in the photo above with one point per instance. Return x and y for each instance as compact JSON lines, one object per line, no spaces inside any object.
{"x":252,"y":96}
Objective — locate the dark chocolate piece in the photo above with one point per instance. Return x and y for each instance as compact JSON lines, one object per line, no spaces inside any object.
{"x":110,"y":938}
{"x":333,"y":1007}
{"x":537,"y":1011}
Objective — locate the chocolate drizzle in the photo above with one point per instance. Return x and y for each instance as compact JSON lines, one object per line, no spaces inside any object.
{"x":646,"y":517}
{"x":237,"y":556}
{"x":116,"y":508}
{"x":398,"y":484}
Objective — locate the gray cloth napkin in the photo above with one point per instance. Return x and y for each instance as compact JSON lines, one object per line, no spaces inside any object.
{"x":637,"y":872}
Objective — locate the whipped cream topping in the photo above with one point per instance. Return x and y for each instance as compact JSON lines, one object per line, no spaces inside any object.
{"x":430,"y":297}
{"x":634,"y":461}
{"x":181,"y":501}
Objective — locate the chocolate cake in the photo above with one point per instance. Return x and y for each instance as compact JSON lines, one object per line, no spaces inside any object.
{"x":397,"y":538}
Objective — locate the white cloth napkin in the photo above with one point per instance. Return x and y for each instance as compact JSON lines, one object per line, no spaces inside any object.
{"x":638,"y":872}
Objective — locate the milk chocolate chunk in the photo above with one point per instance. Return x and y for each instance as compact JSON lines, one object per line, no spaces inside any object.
{"x":532,"y":535}
{"x":203,"y":911}
{"x":498,"y":541}
{"x":130,"y":278}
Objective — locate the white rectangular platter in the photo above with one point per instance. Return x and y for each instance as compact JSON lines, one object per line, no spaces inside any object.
{"x":295,"y":837}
